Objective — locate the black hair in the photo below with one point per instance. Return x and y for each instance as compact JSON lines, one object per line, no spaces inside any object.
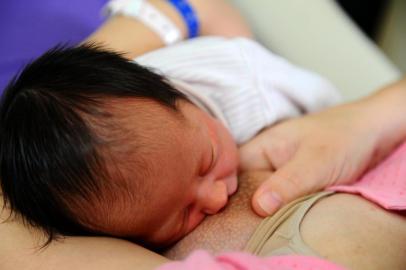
{"x":49,"y":150}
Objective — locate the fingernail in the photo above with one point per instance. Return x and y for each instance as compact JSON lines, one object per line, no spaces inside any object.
{"x":269,"y":202}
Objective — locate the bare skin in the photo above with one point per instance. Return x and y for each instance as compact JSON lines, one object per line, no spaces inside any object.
{"x":19,"y":245}
{"x":218,"y":233}
{"x":349,"y":139}
{"x":122,"y":34}
{"x":20,"y":248}
{"x":345,"y":229}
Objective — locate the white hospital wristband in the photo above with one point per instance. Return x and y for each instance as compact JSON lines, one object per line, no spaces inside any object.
{"x":148,"y":15}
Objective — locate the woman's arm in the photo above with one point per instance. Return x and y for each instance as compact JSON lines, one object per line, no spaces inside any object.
{"x":132,"y":37}
{"x":97,"y":253}
{"x":386,"y":110}
{"x":20,"y":248}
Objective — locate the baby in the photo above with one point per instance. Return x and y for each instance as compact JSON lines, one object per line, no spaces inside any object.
{"x":93,"y":144}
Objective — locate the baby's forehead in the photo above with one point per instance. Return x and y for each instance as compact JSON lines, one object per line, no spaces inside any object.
{"x":146,"y":118}
{"x":158,"y":127}
{"x":151,"y":129}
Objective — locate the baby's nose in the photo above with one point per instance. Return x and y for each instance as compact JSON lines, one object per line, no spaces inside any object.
{"x":215,"y":198}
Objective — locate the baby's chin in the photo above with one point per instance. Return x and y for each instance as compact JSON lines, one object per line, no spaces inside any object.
{"x":193,"y":223}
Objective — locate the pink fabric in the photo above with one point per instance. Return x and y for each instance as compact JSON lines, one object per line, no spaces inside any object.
{"x":201,"y":260}
{"x":385,"y":184}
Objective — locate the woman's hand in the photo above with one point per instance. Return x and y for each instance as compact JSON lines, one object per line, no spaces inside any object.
{"x":328,"y":148}
{"x":308,"y":154}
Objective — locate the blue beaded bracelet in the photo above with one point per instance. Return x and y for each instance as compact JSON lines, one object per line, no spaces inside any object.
{"x":189,"y":16}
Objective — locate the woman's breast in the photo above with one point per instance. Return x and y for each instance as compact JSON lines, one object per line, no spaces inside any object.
{"x":351,"y":231}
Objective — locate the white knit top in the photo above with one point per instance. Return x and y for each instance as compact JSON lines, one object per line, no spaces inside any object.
{"x":240,"y":82}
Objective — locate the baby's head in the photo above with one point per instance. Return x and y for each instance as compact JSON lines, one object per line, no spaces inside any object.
{"x":91,"y":144}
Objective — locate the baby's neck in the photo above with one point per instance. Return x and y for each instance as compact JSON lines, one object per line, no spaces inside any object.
{"x":228,"y":230}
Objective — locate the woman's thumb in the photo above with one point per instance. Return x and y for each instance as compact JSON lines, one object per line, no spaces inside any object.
{"x":294,"y":179}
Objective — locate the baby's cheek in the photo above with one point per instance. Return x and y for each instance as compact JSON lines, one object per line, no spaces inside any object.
{"x":195,"y":218}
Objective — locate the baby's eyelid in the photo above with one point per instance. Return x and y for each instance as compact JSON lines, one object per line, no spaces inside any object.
{"x":212,"y":161}
{"x":213,"y":157}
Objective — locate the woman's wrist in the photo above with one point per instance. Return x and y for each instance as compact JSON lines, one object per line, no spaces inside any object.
{"x":384,"y":114}
{"x":133,"y":38}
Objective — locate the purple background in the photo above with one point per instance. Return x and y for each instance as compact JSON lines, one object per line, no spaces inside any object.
{"x":30,"y":27}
